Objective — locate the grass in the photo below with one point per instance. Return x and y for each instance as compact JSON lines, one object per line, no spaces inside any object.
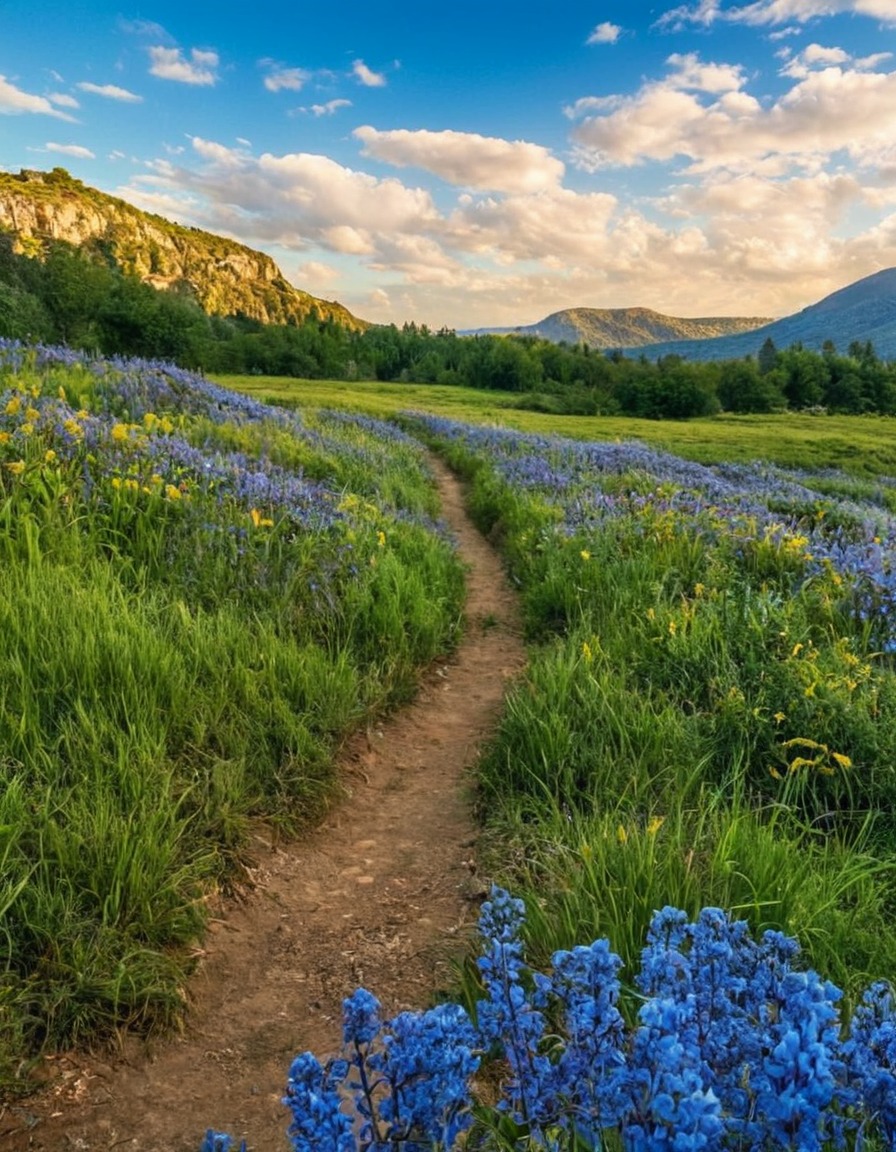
{"x":198,"y":598}
{"x":862,"y":446}
{"x":708,"y":713}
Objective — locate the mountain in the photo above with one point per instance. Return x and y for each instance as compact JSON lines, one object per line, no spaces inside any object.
{"x":223,"y":276}
{"x":863,"y":311}
{"x":625,"y":327}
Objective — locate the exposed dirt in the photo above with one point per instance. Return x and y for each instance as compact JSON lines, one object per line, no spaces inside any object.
{"x":381,"y":895}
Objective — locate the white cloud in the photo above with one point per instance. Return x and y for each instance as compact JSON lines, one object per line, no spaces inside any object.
{"x":605,"y":33}
{"x":289,"y":79}
{"x":367,"y":77}
{"x":826,"y":111}
{"x":170,"y":64}
{"x":14,"y":101}
{"x":466,"y":158}
{"x":110,"y":92}
{"x":316,"y":272}
{"x":71,"y":150}
{"x":761,"y":241}
{"x":775,"y":12}
{"x":328,"y":109}
{"x":63,"y":100}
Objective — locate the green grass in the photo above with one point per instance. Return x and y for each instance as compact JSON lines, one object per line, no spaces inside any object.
{"x":863,"y":446}
{"x":701,"y":722}
{"x":180,"y":655}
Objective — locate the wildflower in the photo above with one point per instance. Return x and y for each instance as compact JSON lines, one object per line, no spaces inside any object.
{"x":17,"y":467}
{"x":173,"y":492}
{"x":654,"y":825}
{"x":585,"y":554}
{"x":27,"y":428}
{"x":13,"y":405}
{"x":587,"y":654}
{"x":381,"y":539}
{"x":5,"y":437}
{"x":120,"y":433}
{"x":49,"y":456}
{"x":621,"y":834}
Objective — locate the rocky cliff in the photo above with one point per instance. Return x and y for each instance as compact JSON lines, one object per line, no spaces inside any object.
{"x":224,"y":277}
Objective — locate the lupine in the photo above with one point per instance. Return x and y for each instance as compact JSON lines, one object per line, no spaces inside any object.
{"x":734,"y":1047}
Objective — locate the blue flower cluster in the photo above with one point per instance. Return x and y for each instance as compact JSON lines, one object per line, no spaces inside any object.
{"x":734,"y":1047}
{"x":405,"y":1084}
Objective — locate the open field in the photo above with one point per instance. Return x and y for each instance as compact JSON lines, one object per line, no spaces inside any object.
{"x":860,"y":445}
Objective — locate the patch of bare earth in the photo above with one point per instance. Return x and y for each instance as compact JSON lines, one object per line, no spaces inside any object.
{"x":381,"y":894}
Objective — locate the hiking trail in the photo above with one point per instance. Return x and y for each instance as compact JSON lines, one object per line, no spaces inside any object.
{"x":382,"y":894}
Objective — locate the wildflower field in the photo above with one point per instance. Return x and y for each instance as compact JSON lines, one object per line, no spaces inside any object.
{"x":709,"y":713}
{"x":203,"y":593}
{"x":200,"y":595}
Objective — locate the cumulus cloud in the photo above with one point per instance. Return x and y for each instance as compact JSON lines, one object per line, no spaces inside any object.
{"x":829,"y":109}
{"x":171,"y":64}
{"x":367,"y":76}
{"x":110,"y":92}
{"x":763,"y":240}
{"x":605,"y":33}
{"x":71,"y":150}
{"x":14,"y":101}
{"x":290,"y":79}
{"x":466,"y":158}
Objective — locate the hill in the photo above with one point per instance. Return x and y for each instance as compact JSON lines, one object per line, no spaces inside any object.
{"x":625,"y":327}
{"x":863,"y":311}
{"x":224,"y":277}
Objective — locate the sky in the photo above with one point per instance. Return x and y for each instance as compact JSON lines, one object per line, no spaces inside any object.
{"x":484,"y":163}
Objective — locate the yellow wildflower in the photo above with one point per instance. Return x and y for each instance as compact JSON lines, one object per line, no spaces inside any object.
{"x":585,"y":554}
{"x":116,"y":482}
{"x":17,"y":467}
{"x":843,"y":761}
{"x":49,"y":456}
{"x":13,"y":405}
{"x":72,"y":427}
{"x":381,"y":539}
{"x":587,"y":654}
{"x":4,"y":437}
{"x":172,"y":492}
{"x":27,"y":428}
{"x":622,"y":834}
{"x":780,"y":716}
{"x":656,"y":822}
{"x":120,"y":432}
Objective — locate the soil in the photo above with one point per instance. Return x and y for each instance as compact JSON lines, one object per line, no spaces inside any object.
{"x":383,"y":894}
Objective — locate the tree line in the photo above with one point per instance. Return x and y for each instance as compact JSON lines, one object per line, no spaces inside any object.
{"x":67,"y":297}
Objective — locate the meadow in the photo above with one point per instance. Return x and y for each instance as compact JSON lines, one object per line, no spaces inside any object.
{"x":204,"y":592}
{"x":200,"y":596}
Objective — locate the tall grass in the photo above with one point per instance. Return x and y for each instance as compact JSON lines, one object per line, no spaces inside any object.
{"x":199,"y":596}
{"x":709,"y":711}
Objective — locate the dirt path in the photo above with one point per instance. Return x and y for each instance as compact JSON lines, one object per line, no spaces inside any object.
{"x":379,"y":895}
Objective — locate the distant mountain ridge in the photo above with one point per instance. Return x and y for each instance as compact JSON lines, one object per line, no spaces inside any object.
{"x":626,"y":327}
{"x":863,"y":311}
{"x":223,"y":276}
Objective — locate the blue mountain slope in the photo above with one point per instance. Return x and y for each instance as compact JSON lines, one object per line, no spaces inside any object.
{"x":865,"y":310}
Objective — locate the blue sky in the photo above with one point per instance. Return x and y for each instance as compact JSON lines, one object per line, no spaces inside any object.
{"x":485,"y":163}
